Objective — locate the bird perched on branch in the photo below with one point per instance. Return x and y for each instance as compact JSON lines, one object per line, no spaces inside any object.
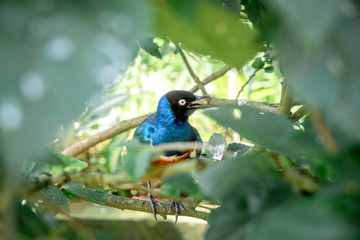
{"x":170,"y":124}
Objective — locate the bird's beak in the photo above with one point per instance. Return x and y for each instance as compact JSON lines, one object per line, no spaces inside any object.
{"x":200,"y":102}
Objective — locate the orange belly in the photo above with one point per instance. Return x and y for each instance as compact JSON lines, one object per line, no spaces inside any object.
{"x":165,"y":160}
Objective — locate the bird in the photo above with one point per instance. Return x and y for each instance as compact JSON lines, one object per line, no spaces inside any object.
{"x":170,"y":124}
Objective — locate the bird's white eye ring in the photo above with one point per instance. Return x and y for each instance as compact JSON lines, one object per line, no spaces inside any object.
{"x":182,"y":102}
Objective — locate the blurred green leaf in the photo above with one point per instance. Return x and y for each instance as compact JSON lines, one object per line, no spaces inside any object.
{"x":269,"y":69}
{"x":92,"y":195}
{"x":186,"y":183}
{"x":318,"y":57}
{"x":268,"y":130}
{"x":303,"y":219}
{"x":149,"y":46}
{"x":219,"y":180}
{"x":138,"y":158}
{"x":233,"y":5}
{"x":252,"y":198}
{"x":55,"y":58}
{"x":29,"y":224}
{"x":71,"y":164}
{"x":112,"y":152}
{"x":214,"y":31}
{"x":170,"y":190}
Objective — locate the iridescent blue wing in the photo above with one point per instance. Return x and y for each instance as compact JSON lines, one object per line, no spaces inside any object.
{"x":145,"y":130}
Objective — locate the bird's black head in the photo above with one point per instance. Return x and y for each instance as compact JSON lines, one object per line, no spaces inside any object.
{"x":183,"y":103}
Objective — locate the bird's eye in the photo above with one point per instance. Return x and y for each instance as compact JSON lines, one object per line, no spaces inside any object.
{"x":182,"y":102}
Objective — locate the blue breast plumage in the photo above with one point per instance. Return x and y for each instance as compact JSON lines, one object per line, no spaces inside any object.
{"x":170,"y":122}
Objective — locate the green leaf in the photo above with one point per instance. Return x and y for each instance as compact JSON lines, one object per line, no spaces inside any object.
{"x":304,"y":219}
{"x":150,"y":47}
{"x":170,"y":190}
{"x":138,"y":158}
{"x":93,"y":195}
{"x":319,"y":58}
{"x":258,"y":63}
{"x":186,"y":183}
{"x":219,"y":180}
{"x":213,"y":31}
{"x":112,"y":152}
{"x":72,"y":164}
{"x":269,"y":130}
{"x":238,"y":148}
{"x":56,"y":200}
{"x":250,"y":200}
{"x":29,"y":224}
{"x":255,"y":11}
{"x":269,"y":69}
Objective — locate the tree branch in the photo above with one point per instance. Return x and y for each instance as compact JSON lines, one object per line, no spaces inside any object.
{"x":329,"y":142}
{"x":199,"y":84}
{"x":112,"y":199}
{"x":86,"y":143}
{"x":296,"y":116}
{"x":286,"y":101}
{"x":212,"y":77}
{"x":120,"y":202}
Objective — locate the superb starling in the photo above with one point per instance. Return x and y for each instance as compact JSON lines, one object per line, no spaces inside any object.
{"x":170,"y":124}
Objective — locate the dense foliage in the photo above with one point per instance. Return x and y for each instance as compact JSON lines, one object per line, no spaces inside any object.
{"x":293,"y":175}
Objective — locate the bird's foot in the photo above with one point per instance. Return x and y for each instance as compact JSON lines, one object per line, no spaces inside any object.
{"x":154,"y":202}
{"x":177,"y":206}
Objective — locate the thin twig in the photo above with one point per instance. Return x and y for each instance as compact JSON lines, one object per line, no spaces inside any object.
{"x":247,"y":82}
{"x":212,"y":77}
{"x":199,"y":84}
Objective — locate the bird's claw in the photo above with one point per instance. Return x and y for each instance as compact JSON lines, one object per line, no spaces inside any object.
{"x":175,"y":205}
{"x":154,"y":202}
